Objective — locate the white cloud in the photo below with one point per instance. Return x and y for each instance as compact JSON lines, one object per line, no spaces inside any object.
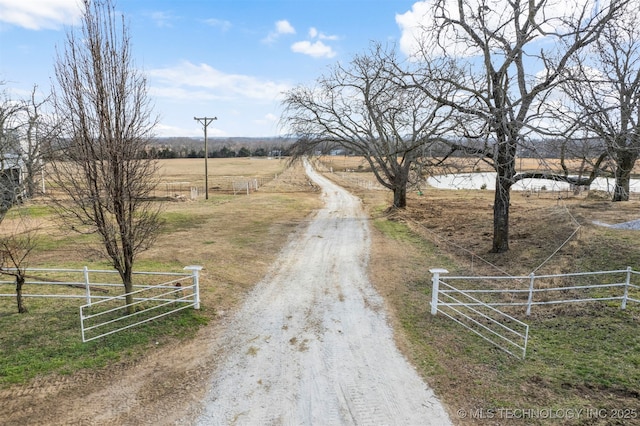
{"x":281,"y":27}
{"x":162,"y":19}
{"x":268,"y":120}
{"x":317,"y":49}
{"x":167,"y":130}
{"x":203,"y":82}
{"x":314,"y":33}
{"x":243,"y":103}
{"x":284,"y":27}
{"x":39,"y":14}
{"x":218,"y":23}
{"x":412,"y":24}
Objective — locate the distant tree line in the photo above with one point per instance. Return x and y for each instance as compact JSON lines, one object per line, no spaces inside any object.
{"x":183,"y":147}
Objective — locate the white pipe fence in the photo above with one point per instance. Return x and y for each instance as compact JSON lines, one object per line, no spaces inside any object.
{"x":472,"y":303}
{"x":480,"y":318}
{"x":106,"y":311}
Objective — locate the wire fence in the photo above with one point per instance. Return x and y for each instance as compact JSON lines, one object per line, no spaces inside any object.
{"x":185,"y":190}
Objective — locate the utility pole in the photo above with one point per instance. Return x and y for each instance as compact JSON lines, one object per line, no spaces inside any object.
{"x":205,"y":121}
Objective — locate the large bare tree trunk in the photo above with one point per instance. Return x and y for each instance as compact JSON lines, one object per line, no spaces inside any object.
{"x":400,"y":197}
{"x":624,"y":164}
{"x":505,"y":166}
{"x":502,"y":198}
{"x":400,"y":182}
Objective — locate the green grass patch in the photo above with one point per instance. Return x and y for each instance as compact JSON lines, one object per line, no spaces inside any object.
{"x":155,"y":265}
{"x":47,"y":340}
{"x":30,"y":210}
{"x":401,"y":232}
{"x":181,"y":220}
{"x":68,"y":241}
{"x":579,"y":356}
{"x":396,"y":230}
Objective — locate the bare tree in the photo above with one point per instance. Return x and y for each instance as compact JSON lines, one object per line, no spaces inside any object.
{"x":36,"y":130}
{"x":604,"y":87}
{"x":495,"y":43}
{"x":15,"y":247}
{"x":10,"y":163}
{"x":23,"y":131}
{"x":106,"y":123}
{"x":367,"y":109}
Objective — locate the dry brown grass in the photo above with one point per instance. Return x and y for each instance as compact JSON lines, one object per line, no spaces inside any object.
{"x":192,"y":169}
{"x":236,"y":238}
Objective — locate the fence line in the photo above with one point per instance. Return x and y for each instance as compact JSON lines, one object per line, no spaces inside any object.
{"x":630,"y":293}
{"x":220,"y":184}
{"x":244,"y":186}
{"x":148,"y":301}
{"x":531,"y":290}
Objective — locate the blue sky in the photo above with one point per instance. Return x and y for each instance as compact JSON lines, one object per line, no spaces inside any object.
{"x":226,"y":58}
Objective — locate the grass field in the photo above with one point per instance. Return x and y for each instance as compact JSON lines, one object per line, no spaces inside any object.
{"x":580,"y":357}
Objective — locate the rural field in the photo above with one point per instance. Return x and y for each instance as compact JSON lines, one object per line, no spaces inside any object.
{"x":583,"y":360}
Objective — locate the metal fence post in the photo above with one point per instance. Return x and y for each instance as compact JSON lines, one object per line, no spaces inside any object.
{"x":530,"y":300}
{"x":435,"y":288}
{"x":87,"y":289}
{"x":195,"y":273}
{"x":625,"y":296}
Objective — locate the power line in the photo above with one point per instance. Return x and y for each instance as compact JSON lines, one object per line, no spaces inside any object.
{"x":205,"y":121}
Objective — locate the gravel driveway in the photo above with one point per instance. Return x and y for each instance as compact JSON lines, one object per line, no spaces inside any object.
{"x":311,"y":345}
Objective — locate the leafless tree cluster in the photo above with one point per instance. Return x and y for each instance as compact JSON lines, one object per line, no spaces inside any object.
{"x":10,"y":186}
{"x":484,"y":81}
{"x":16,"y":240}
{"x":25,"y":132}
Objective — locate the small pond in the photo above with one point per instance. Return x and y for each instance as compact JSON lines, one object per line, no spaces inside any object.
{"x":488,"y":181}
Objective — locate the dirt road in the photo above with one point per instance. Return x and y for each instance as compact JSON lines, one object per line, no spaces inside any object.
{"x":311,"y":345}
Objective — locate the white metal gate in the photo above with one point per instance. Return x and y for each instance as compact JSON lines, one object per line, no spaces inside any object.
{"x":113,"y":314}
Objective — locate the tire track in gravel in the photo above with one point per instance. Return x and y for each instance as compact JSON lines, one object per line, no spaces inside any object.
{"x":312,"y":345}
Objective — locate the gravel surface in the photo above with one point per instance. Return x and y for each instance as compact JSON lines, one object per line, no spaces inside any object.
{"x":312,"y":344}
